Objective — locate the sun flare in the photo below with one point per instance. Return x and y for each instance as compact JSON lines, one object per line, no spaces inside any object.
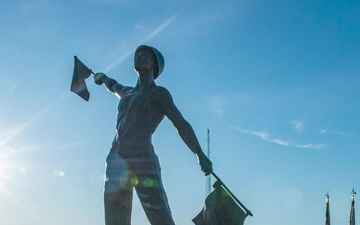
{"x":8,"y":171}
{"x":4,"y":177}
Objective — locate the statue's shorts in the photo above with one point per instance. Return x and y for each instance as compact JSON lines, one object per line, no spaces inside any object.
{"x":136,"y":167}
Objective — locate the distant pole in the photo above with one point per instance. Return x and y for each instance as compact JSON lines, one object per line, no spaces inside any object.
{"x":327,"y":214}
{"x":208,"y":178}
{"x":352,"y":209}
{"x":353,"y":193}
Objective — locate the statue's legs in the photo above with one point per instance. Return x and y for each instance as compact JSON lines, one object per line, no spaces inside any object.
{"x":118,"y":193}
{"x":141,"y":171}
{"x":152,"y":195}
{"x":117,"y":207}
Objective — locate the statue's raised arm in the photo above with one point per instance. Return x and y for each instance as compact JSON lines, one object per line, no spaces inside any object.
{"x":111,"y":85}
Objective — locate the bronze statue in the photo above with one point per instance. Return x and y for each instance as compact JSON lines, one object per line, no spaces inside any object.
{"x":132,"y":162}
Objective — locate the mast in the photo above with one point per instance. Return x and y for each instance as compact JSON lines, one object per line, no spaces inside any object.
{"x":208,"y":178}
{"x":352,"y":209}
{"x":327,"y":214}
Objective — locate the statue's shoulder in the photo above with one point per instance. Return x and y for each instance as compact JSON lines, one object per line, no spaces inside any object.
{"x":161,"y":93}
{"x":127,"y":89}
{"x":121,"y":90}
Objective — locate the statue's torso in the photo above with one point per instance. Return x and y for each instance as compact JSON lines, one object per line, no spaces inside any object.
{"x":139,"y":114}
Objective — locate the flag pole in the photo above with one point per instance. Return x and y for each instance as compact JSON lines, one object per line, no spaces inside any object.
{"x":352,"y":208}
{"x":327,"y":209}
{"x":232,"y":195}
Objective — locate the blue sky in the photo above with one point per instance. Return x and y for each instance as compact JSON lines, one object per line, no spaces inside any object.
{"x":276,"y":82}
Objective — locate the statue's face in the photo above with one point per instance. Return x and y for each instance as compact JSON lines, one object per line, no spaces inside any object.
{"x":144,"y":59}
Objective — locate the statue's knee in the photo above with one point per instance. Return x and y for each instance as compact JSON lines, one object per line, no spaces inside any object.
{"x":110,"y":196}
{"x":120,"y":199}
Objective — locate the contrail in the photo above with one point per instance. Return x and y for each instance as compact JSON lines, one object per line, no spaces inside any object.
{"x":153,"y":34}
{"x":159,"y":29}
{"x":28,"y":123}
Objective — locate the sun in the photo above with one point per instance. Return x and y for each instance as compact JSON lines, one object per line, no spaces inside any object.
{"x":4,"y":167}
{"x":7,"y":171}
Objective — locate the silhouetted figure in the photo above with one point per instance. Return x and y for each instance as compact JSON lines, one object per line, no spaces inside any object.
{"x":132,"y":162}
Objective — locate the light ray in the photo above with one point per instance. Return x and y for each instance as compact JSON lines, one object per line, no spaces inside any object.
{"x":19,"y":129}
{"x":153,"y":34}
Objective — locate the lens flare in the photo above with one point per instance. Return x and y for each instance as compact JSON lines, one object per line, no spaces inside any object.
{"x":150,"y":183}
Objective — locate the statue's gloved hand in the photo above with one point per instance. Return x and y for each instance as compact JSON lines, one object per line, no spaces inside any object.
{"x":205,"y":163}
{"x":99,"y":78}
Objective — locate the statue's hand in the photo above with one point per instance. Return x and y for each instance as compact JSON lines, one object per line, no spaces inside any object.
{"x":205,"y":163}
{"x":99,"y":78}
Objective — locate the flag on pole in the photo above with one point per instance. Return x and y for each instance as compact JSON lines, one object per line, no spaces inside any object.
{"x":352,"y":210}
{"x":220,"y":209}
{"x":327,"y":214}
{"x":78,"y":85}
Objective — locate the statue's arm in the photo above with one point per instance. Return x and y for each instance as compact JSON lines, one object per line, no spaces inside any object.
{"x":111,"y":85}
{"x":184,"y":128}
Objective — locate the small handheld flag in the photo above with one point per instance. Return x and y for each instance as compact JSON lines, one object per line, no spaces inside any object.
{"x":222,"y":207}
{"x":78,"y":85}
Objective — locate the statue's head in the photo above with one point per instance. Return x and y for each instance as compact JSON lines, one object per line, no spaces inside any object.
{"x":158,"y":58}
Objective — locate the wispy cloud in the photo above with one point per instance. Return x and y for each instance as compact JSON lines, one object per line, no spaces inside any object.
{"x":342,"y":133}
{"x":267,"y":137}
{"x":39,"y":7}
{"x":217,"y":105}
{"x":312,"y":146}
{"x":123,"y":2}
{"x":297,"y":125}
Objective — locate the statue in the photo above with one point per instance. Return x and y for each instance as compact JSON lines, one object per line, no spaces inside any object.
{"x":132,"y":162}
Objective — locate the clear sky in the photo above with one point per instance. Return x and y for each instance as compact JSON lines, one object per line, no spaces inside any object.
{"x":276,"y":82}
